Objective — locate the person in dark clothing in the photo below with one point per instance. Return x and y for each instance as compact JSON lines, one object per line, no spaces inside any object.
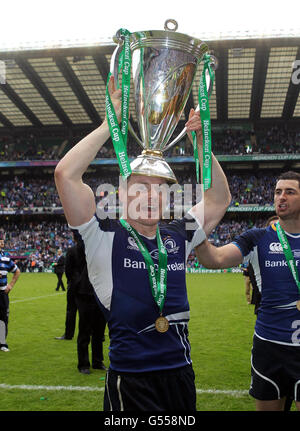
{"x":250,"y":282}
{"x":256,"y":295}
{"x":91,"y":320}
{"x":59,"y":269}
{"x":73,"y":275}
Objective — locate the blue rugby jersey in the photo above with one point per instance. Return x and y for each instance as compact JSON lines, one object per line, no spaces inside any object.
{"x":278,"y":318}
{"x":6,"y":265}
{"x":120,"y":279}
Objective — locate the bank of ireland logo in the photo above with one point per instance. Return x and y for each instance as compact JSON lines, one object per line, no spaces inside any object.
{"x":275,"y":247}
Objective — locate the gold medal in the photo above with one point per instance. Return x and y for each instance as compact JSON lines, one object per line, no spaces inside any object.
{"x":161,"y":324}
{"x":298,"y":305}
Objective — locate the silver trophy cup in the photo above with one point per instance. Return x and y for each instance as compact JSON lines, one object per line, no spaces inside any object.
{"x":164,"y":65}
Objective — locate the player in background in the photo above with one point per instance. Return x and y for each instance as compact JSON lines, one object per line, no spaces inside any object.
{"x":6,"y":266}
{"x":274,"y":253}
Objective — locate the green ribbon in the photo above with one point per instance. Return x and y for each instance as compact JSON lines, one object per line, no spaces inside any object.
{"x":119,"y":135}
{"x":288,"y":254}
{"x":157,"y":278}
{"x":196,"y":155}
{"x":206,"y":125}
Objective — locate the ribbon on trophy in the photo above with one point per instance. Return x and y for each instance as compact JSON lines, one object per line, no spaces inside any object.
{"x":119,"y":135}
{"x":206,"y":125}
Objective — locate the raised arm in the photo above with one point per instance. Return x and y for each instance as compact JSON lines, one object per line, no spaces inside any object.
{"x":212,"y":208}
{"x":77,"y":198}
{"x":218,"y":257}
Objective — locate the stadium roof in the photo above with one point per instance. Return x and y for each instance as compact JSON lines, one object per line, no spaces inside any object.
{"x":64,"y":88}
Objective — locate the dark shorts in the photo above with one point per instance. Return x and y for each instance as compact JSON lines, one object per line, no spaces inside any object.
{"x":4,"y":306}
{"x":275,"y":370}
{"x":170,"y":390}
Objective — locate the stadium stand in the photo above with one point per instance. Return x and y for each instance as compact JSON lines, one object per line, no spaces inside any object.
{"x":50,"y":101}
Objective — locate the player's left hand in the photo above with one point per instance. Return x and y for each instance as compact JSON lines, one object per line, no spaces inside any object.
{"x":8,"y":288}
{"x":194,"y":124}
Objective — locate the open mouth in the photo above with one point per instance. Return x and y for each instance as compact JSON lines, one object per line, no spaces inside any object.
{"x":282,"y":207}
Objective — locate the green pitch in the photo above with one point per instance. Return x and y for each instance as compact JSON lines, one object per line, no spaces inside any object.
{"x":40,"y":373}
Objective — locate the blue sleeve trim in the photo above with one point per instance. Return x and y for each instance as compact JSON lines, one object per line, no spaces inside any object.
{"x":249,"y":239}
{"x":237,"y":245}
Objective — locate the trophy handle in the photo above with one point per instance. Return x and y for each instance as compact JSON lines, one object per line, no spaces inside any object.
{"x":114,"y":66}
{"x":209,"y":86}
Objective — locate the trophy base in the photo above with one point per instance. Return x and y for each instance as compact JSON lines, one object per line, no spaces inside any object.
{"x":152,"y":164}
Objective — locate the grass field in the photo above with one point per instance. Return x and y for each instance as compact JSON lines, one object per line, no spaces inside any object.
{"x":40,"y":373}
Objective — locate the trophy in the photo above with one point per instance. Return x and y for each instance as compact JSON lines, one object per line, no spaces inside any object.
{"x":164,"y":65}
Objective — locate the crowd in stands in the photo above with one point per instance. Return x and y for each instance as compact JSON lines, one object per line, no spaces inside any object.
{"x":278,"y":139}
{"x":27,"y":148}
{"x":34,"y":244}
{"x":30,"y":193}
{"x":273,"y":140}
{"x":20,"y":193}
{"x":231,"y":141}
{"x":254,"y":189}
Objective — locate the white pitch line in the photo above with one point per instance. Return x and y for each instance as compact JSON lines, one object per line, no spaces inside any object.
{"x":233,"y":393}
{"x":35,"y":297}
{"x":52,"y":388}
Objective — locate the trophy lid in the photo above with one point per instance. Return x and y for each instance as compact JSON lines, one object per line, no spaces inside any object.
{"x":167,"y":38}
{"x":151,"y":164}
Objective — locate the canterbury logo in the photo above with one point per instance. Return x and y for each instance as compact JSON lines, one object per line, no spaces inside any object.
{"x":276,"y":247}
{"x":132,"y":244}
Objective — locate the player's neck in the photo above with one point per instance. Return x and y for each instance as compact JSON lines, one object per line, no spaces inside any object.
{"x":143,"y":229}
{"x":290,"y":225}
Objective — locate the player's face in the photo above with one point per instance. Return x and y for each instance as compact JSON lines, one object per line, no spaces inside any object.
{"x":1,"y":244}
{"x":287,"y":199}
{"x":145,"y":198}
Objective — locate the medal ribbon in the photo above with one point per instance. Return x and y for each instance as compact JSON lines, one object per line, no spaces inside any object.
{"x":288,"y":254}
{"x":119,"y":136}
{"x":157,"y":279}
{"x":206,"y":125}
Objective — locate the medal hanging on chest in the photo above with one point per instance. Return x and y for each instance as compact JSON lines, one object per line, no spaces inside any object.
{"x":157,"y":278}
{"x":289,"y":257}
{"x":161,"y":324}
